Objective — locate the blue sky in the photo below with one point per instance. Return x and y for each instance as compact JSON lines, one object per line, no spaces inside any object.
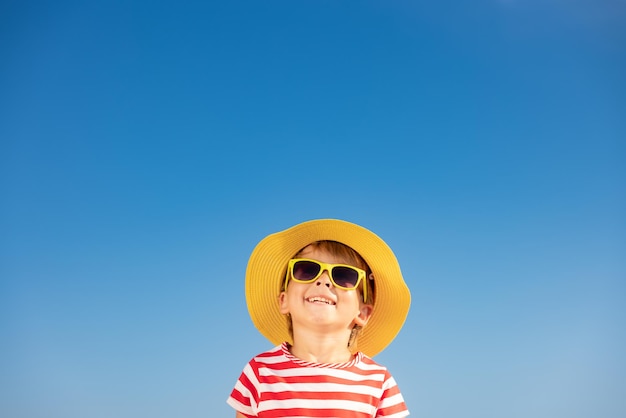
{"x":146,"y":147}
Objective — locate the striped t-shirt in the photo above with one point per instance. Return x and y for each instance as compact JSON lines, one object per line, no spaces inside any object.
{"x":276,"y":384}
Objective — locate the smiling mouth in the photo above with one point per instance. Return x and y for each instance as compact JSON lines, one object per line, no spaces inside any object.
{"x":317,"y":299}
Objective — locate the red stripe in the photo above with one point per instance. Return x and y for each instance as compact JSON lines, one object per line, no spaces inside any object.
{"x":323,"y":396}
{"x":320,"y":379}
{"x":394,"y":409}
{"x":321,"y":413}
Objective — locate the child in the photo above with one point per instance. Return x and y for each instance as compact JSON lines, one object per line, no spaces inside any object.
{"x":330,"y":295}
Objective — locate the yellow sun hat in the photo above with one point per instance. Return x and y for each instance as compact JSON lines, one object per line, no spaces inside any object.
{"x":267,"y":267}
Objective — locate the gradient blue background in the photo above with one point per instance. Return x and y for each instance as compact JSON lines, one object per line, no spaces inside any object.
{"x":146,"y":147}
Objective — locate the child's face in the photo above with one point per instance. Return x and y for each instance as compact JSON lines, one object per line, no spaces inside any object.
{"x":320,"y":305}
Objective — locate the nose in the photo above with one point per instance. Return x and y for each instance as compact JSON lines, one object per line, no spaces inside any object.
{"x":324,"y":279}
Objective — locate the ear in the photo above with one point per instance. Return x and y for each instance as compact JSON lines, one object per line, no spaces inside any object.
{"x":283,"y":307}
{"x":365,"y":311}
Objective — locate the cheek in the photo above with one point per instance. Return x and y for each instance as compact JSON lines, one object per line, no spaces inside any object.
{"x":351,"y":298}
{"x":293,"y":293}
{"x":295,"y":288}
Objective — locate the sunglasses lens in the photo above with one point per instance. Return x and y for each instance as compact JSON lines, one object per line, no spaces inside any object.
{"x":345,"y":276}
{"x":305,"y":270}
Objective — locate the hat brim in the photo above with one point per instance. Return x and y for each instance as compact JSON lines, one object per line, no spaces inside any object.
{"x":266,"y":270}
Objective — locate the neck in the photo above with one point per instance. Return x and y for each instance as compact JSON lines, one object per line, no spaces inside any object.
{"x":321,"y":348}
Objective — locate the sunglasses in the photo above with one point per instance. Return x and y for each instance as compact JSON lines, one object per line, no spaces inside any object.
{"x":343,"y":276}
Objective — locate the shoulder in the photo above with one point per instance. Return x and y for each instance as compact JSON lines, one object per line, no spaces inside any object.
{"x":271,"y":356}
{"x":372,"y":368}
{"x":369,"y":363}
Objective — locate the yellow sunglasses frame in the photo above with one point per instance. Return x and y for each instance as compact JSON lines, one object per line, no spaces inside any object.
{"x":328,"y":268}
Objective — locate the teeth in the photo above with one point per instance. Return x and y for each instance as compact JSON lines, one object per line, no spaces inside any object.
{"x":319,"y":299}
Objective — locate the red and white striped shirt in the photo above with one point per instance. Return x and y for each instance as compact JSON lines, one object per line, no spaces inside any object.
{"x":275,"y":384}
